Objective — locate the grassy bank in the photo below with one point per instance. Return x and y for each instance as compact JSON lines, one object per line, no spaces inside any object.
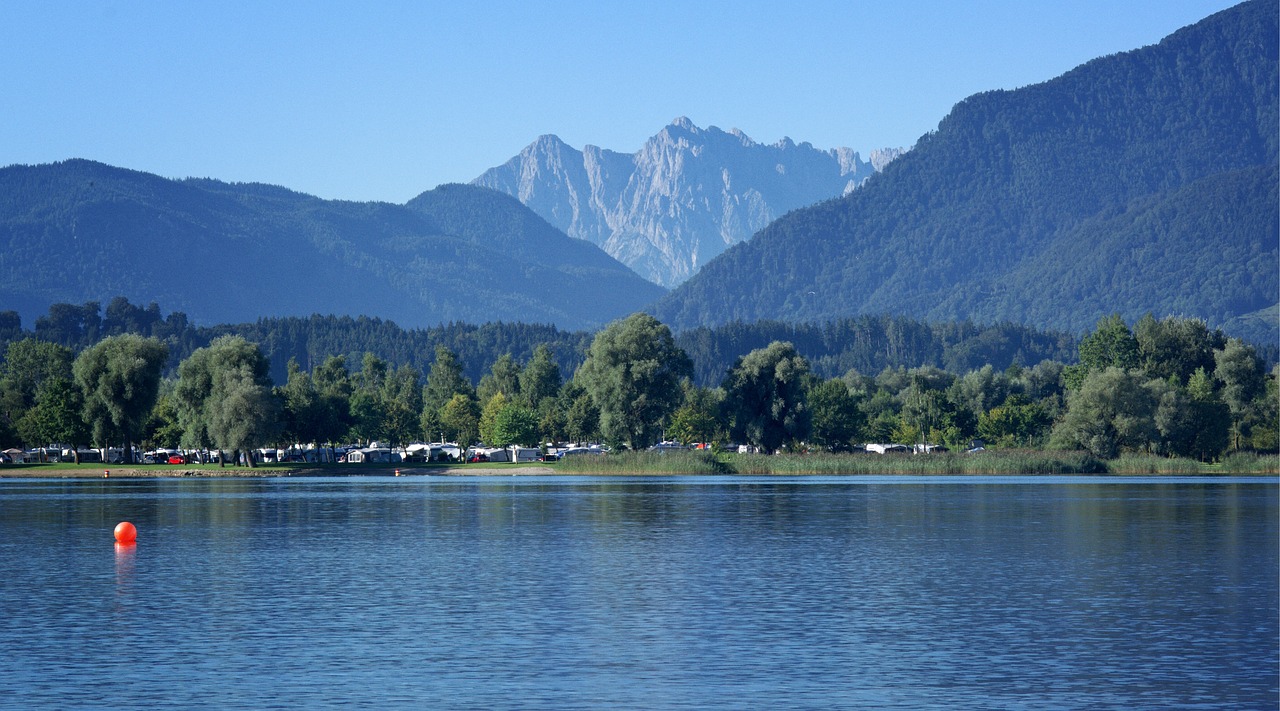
{"x":1002,"y":462}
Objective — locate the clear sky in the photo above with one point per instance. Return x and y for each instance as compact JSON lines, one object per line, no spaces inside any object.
{"x":378,"y":100}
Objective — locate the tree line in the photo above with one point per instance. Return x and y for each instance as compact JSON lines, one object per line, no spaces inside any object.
{"x":1169,"y":386}
{"x":865,"y":343}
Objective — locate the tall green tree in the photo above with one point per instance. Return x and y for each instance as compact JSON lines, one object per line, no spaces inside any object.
{"x":56,"y":416}
{"x":581,"y":415}
{"x":1192,"y":421}
{"x":333,"y":387}
{"x":1175,"y":347}
{"x":515,"y":424}
{"x":1112,"y":412}
{"x":460,"y":418}
{"x":633,"y":372}
{"x":1110,"y":345}
{"x":699,"y":418}
{"x":1242,"y":376}
{"x":225,"y":399}
{"x":837,"y":420}
{"x":503,"y":377}
{"x":445,"y":380}
{"x":402,"y":405}
{"x":245,"y":412}
{"x":489,"y":418}
{"x":300,"y":406}
{"x":368,"y":406}
{"x":765,"y":396}
{"x":1266,"y":433}
{"x":540,"y":378}
{"x":162,"y":428}
{"x":28,"y":363}
{"x":1016,"y":422}
{"x":119,"y":378}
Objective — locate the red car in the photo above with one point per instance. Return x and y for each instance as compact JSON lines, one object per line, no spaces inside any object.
{"x":478,"y":458}
{"x":177,"y":459}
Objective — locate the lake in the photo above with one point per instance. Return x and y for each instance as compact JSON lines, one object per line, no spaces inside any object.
{"x":641,"y":593}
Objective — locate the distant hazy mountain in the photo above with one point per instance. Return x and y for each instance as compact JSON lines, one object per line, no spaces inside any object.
{"x":81,"y":231}
{"x":1143,"y":181}
{"x":685,"y":197}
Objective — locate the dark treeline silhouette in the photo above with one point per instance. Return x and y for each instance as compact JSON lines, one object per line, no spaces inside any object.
{"x":867,"y":344}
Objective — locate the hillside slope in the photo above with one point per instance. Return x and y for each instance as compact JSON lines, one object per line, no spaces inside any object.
{"x":80,"y":231}
{"x":1138,"y":182}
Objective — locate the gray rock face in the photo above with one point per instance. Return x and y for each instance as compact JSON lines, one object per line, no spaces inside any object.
{"x":686,"y":196}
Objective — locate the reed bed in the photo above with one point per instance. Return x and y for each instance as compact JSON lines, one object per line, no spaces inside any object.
{"x":990,"y":462}
{"x":647,"y":462}
{"x":938,"y":464}
{"x":1249,"y":463}
{"x":1154,"y":464}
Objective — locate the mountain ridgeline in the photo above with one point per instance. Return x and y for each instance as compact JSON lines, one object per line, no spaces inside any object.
{"x":81,"y":231}
{"x":1138,"y":182}
{"x":683,"y":198}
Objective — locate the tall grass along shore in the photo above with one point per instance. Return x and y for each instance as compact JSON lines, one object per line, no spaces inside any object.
{"x":1005,"y":462}
{"x":674,"y":462}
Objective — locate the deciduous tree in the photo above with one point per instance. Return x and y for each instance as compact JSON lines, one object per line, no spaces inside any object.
{"x":119,"y":378}
{"x":633,"y":372}
{"x":837,"y":420}
{"x":225,"y":400}
{"x":765,"y":396}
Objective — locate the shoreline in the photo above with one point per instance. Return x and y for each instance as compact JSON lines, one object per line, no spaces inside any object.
{"x":463,"y":472}
{"x":83,"y":472}
{"x":1002,"y":463}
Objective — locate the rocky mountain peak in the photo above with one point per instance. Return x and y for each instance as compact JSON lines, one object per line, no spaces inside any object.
{"x":687,"y":195}
{"x":683,"y":123}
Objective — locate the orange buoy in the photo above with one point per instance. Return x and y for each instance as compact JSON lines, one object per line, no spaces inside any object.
{"x":126,"y":533}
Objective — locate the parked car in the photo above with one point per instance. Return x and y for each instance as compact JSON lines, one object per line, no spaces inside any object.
{"x":478,"y":458}
{"x":177,"y":459}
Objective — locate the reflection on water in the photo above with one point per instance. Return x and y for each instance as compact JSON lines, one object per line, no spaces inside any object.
{"x":641,"y":593}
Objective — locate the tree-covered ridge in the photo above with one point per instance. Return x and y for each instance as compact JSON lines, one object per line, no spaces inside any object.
{"x":1162,"y":159}
{"x":79,"y":231}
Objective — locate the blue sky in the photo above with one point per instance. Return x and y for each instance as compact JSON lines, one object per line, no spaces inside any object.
{"x":382,"y":100}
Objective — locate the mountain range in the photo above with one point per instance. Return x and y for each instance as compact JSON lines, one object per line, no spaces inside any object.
{"x":683,"y":198}
{"x":81,"y":231}
{"x":1138,"y":182}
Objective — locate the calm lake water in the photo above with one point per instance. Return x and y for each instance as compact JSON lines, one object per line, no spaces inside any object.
{"x":641,"y":593}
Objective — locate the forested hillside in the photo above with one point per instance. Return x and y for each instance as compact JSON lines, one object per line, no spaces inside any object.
{"x":81,"y":231}
{"x":1140,"y":182}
